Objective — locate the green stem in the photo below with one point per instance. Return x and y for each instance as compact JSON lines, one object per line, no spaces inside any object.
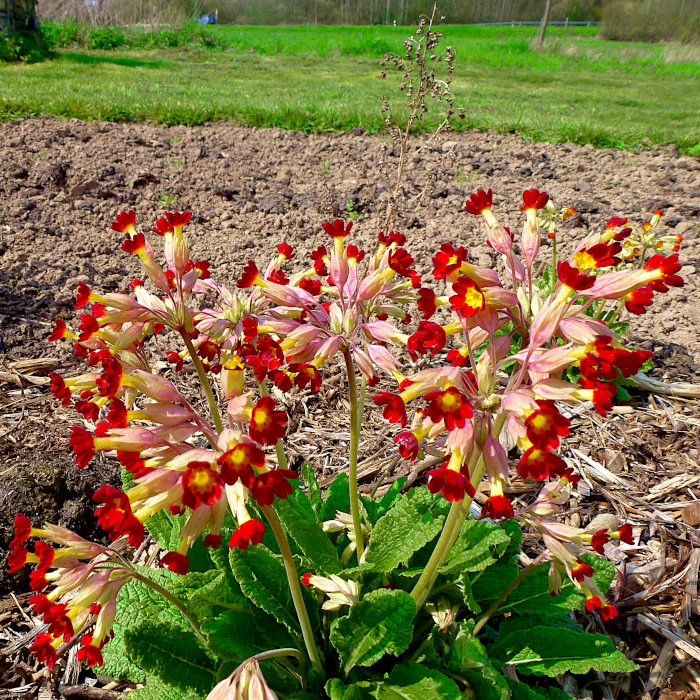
{"x":453,"y":525}
{"x":294,"y":587}
{"x":204,"y":380}
{"x":494,"y":608}
{"x":355,"y":419}
{"x":176,"y":602}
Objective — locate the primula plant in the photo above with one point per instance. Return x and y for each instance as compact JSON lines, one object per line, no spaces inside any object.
{"x":270,"y":587}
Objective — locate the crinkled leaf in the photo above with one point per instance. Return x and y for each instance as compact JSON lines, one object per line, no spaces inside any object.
{"x":520,"y":691}
{"x":414,"y":520}
{"x":549,"y":651}
{"x":337,"y":690}
{"x":479,"y":545}
{"x":156,"y":689}
{"x":417,"y":682}
{"x":604,"y":570}
{"x":219,"y":594}
{"x":174,"y":655}
{"x":337,"y":498}
{"x":313,"y":490}
{"x":263,"y":581}
{"x":488,"y":585}
{"x":532,"y":596}
{"x":381,"y":623}
{"x":300,"y":522}
{"x":468,"y":595}
{"x":467,"y":658}
{"x":375,"y":509}
{"x":238,"y":635}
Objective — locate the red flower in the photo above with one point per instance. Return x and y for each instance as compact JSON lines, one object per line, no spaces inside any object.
{"x":311,"y":286}
{"x":88,"y":325}
{"x":306,"y":579}
{"x":354,"y":253}
{"x":615,"y":222}
{"x":667,"y":268}
{"x":115,"y":516}
{"x":625,"y":534}
{"x":213,"y":541}
{"x":117,"y":415}
{"x":249,"y":275}
{"x":468,"y":298}
{"x":285,"y":250}
{"x":319,"y":265}
{"x":534,"y":199}
{"x":208,"y":350}
{"x":540,"y":464}
{"x":43,"y":650}
{"x":597,"y":256}
{"x":123,"y":221}
{"x":637,"y":300}
{"x":134,"y":245}
{"x":59,"y":389}
{"x":581,"y":571}
{"x":479,"y":202}
{"x":162,"y":227}
{"x":83,"y":445}
{"x":608,"y":612}
{"x":451,"y":484}
{"x":267,"y":425}
{"x":306,"y":374}
{"x":23,"y":528}
{"x":447,"y":260}
{"x":17,"y":557}
{"x":109,"y":380}
{"x":337,"y":229}
{"x":394,"y":407}
{"x":392,"y":237}
{"x":426,"y":302}
{"x":238,"y":463}
{"x":599,"y":540}
{"x":593,"y":602}
{"x":176,"y":218}
{"x":401,"y":262}
{"x":249,"y":532}
{"x":408,"y":445}
{"x":571,"y":277}
{"x":603,"y":394}
{"x":174,"y":358}
{"x":450,"y":405}
{"x":270,"y":484}
{"x":89,"y":653}
{"x":545,"y":426}
{"x":201,"y":485}
{"x":267,"y":357}
{"x":83,"y":295}
{"x":430,"y":337}
{"x":176,"y":562}
{"x":497,"y":507}
{"x":629,"y":362}
{"x":278,"y":277}
{"x":59,"y":330}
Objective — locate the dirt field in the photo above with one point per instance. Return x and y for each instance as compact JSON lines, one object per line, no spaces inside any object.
{"x":62,"y":182}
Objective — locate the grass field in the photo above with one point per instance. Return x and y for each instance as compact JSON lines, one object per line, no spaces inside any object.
{"x":325,"y":78}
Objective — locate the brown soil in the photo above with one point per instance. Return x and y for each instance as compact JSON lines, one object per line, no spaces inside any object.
{"x":62,"y":182}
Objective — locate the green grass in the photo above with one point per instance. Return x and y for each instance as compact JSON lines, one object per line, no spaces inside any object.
{"x":326,"y":78}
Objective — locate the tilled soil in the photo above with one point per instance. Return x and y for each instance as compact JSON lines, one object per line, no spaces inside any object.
{"x":62,"y":182}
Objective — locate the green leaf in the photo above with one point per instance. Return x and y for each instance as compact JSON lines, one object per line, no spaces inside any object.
{"x":479,"y":545}
{"x":532,"y":596}
{"x":604,"y":571}
{"x":549,"y":651}
{"x":488,"y":585}
{"x":622,"y":393}
{"x":219,"y":594}
{"x":299,"y":521}
{"x":337,"y":690}
{"x":467,"y":657}
{"x":520,"y":691}
{"x":263,"y":581}
{"x":619,"y":327}
{"x":414,"y":520}
{"x":468,"y":594}
{"x":337,"y":498}
{"x":375,"y":509}
{"x":156,"y":689}
{"x":381,"y":623}
{"x":174,"y":655}
{"x":549,"y":276}
{"x":417,"y":682}
{"x":313,"y":490}
{"x":238,"y":635}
